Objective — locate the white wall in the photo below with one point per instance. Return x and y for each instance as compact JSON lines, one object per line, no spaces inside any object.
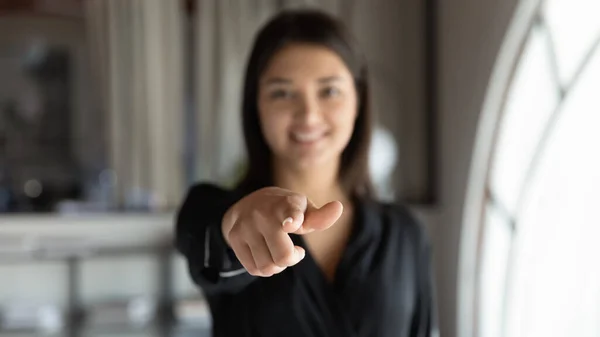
{"x":470,"y":34}
{"x":390,"y":34}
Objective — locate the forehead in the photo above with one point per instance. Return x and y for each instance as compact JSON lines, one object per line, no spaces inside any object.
{"x":305,"y":60}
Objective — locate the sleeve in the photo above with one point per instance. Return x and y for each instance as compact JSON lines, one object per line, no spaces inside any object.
{"x":424,"y":322}
{"x":198,"y":237}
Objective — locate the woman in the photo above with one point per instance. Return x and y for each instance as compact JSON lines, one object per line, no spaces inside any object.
{"x":300,"y":248}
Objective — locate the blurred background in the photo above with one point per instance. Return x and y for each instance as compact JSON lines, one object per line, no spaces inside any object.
{"x":488,"y":115}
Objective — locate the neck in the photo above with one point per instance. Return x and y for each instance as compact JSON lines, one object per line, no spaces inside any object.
{"x":320,"y":184}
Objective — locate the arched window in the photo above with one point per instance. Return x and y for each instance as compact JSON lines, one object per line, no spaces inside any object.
{"x":530,"y":264}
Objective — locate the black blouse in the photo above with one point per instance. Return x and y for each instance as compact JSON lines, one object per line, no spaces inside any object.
{"x":382,"y":285}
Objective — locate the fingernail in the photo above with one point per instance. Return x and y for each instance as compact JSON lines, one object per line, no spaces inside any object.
{"x":287,"y":220}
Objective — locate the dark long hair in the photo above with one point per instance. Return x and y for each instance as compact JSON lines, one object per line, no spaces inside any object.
{"x":312,"y":27}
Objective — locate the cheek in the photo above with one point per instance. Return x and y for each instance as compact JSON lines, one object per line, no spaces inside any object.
{"x":274,"y":126}
{"x":343,"y":119}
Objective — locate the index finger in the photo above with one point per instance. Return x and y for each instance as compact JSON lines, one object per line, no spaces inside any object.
{"x":318,"y":219}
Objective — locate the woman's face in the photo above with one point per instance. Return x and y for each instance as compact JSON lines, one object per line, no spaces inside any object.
{"x":307,"y":105}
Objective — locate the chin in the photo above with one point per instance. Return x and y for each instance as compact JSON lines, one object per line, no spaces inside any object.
{"x":312,"y":161}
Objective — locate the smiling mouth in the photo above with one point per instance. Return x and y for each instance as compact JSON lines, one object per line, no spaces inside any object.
{"x":308,"y":137}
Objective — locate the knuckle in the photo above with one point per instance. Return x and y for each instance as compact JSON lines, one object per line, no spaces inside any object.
{"x":254,"y":271}
{"x":235,"y":236}
{"x":294,"y":200}
{"x":280,"y":261}
{"x":262,"y":266}
{"x":285,"y":258}
{"x":269,"y":270}
{"x":245,"y":234}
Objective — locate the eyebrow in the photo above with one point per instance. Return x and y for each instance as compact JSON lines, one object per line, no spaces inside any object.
{"x":329,"y":79}
{"x":277,"y":80}
{"x":281,"y":80}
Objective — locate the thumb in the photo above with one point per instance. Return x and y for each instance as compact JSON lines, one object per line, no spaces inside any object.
{"x":318,"y":219}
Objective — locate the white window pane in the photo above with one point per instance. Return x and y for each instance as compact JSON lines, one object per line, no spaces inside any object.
{"x":496,"y":245}
{"x":532,"y":98}
{"x":557,"y":273}
{"x":574,"y":25}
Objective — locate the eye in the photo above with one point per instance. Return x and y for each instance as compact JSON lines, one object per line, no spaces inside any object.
{"x":281,"y":94}
{"x":330,"y":92}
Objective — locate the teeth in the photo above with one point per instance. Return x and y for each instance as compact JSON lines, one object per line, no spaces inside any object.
{"x":307,"y":136}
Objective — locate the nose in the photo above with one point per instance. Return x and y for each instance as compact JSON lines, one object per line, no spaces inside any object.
{"x":309,"y":111}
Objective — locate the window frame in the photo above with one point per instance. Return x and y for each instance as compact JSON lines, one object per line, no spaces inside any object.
{"x":480,"y":194}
